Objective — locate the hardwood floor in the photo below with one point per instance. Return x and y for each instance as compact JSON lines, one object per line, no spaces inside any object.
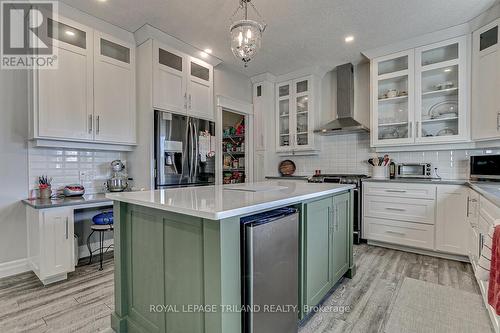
{"x":84,"y":302}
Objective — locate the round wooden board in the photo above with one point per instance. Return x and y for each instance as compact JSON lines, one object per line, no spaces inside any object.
{"x":286,"y":168}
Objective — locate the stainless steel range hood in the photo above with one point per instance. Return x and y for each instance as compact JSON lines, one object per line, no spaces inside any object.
{"x":345,"y":122}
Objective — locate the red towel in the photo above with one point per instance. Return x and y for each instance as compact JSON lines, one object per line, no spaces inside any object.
{"x":494,"y":283}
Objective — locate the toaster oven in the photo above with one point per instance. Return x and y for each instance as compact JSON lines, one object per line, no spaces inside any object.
{"x":413,"y":170}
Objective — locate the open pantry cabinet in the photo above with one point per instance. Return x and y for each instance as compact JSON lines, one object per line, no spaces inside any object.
{"x":234,"y":147}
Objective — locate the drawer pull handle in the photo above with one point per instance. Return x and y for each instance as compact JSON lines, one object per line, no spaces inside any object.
{"x":396,"y":209}
{"x":396,"y":191}
{"x":395,"y":232}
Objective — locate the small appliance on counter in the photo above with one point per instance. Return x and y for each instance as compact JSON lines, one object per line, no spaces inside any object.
{"x":73,"y":190}
{"x":119,"y":178}
{"x":414,"y":170}
{"x":485,"y":168}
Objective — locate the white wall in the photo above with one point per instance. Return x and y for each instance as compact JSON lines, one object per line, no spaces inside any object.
{"x":14,"y":164}
{"x":229,"y":83}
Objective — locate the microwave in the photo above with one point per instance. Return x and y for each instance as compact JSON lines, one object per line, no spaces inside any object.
{"x":413,"y":170}
{"x":485,"y":167}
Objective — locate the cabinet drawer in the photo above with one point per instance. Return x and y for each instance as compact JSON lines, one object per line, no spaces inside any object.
{"x":488,"y":210}
{"x":404,"y":209}
{"x":400,"y":190}
{"x":399,"y":232}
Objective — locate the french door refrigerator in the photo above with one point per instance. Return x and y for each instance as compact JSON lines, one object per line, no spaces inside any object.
{"x":184,"y":151}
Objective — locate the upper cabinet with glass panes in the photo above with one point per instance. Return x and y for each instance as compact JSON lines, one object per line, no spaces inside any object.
{"x":294,"y":116}
{"x":441,"y":92}
{"x":420,"y":96}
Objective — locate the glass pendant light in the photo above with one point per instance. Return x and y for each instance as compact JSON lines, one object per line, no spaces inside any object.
{"x":246,"y":35}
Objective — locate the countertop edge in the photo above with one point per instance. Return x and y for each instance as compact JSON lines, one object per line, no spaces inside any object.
{"x":234,"y":212}
{"x":418,"y":181}
{"x":34,"y":205}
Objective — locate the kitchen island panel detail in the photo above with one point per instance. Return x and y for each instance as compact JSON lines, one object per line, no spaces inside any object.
{"x":172,"y":262}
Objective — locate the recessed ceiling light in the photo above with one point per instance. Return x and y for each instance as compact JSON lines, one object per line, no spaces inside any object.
{"x":209,"y":51}
{"x":69,"y":33}
{"x":203,"y":54}
{"x":102,"y":0}
{"x":447,"y":70}
{"x":349,"y":39}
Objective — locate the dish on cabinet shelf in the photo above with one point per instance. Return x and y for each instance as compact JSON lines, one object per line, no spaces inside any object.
{"x":446,"y":109}
{"x":444,"y":85}
{"x":446,"y":132}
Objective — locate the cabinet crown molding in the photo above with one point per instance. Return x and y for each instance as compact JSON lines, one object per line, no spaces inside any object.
{"x":148,"y":31}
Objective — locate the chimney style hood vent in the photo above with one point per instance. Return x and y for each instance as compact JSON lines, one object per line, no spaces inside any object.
{"x":345,"y":122}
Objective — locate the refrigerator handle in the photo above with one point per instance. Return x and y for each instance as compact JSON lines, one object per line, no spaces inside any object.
{"x":185,"y":154}
{"x":191,"y":152}
{"x":197,"y":150}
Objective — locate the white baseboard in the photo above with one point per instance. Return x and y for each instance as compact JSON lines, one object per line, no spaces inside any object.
{"x":420,"y":251}
{"x":83,"y":251}
{"x":14,"y":267}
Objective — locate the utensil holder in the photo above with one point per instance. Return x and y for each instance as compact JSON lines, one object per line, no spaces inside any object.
{"x":45,"y":193}
{"x":380,"y":172}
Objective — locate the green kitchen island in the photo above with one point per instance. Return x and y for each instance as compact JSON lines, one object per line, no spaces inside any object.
{"x":177,"y":252}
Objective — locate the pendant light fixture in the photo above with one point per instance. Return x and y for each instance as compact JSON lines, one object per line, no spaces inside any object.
{"x":246,"y":35}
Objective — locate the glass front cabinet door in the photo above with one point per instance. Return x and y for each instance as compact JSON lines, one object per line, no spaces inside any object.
{"x":283,"y":122}
{"x":420,"y":96}
{"x":440,"y":89}
{"x":294,"y":111}
{"x":392,"y":99}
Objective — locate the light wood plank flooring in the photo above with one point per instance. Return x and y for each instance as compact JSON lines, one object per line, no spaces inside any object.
{"x":84,"y":302}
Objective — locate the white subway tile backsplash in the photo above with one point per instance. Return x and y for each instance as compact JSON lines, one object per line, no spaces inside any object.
{"x":67,"y":166}
{"x":349,"y":153}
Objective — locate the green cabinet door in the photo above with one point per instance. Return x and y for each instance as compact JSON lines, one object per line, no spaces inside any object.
{"x":318,"y":274}
{"x":340,"y":235}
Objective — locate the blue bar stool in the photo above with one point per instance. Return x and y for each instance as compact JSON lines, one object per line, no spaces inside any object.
{"x":102,"y":222}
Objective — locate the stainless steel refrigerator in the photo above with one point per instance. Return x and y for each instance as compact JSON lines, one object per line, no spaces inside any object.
{"x":184,"y":151}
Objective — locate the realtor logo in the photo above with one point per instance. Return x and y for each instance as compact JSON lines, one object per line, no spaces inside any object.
{"x":25,"y":36}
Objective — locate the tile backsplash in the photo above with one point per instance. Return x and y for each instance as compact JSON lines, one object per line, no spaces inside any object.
{"x":349,"y":153}
{"x":69,"y":166}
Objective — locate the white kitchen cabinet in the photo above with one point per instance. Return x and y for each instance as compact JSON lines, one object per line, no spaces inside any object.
{"x":295,"y":115}
{"x":392,"y":99}
{"x":169,"y":79}
{"x":200,"y":89}
{"x":182,"y":84}
{"x":421,"y":96}
{"x":442,"y":92}
{"x":424,"y":216}
{"x":486,"y":82}
{"x":451,"y":219}
{"x":90,"y":96}
{"x":62,"y":98}
{"x":114,"y":90}
{"x":51,"y":243}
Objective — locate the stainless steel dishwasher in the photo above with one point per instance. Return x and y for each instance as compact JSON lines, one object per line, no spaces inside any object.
{"x":270,"y":255}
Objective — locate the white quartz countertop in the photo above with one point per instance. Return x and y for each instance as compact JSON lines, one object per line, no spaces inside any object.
{"x":223,"y":201}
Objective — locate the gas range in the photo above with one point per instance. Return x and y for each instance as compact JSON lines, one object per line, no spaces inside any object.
{"x":354,"y":179}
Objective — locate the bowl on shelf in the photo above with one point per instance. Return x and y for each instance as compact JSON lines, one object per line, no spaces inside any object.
{"x":444,"y":85}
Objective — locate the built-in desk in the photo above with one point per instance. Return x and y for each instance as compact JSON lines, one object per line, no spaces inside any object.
{"x":52,"y":246}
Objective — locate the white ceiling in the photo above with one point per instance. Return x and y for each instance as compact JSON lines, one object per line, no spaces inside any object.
{"x":300,"y":33}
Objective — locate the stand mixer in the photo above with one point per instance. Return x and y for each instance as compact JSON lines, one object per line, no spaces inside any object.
{"x":119,"y":178}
